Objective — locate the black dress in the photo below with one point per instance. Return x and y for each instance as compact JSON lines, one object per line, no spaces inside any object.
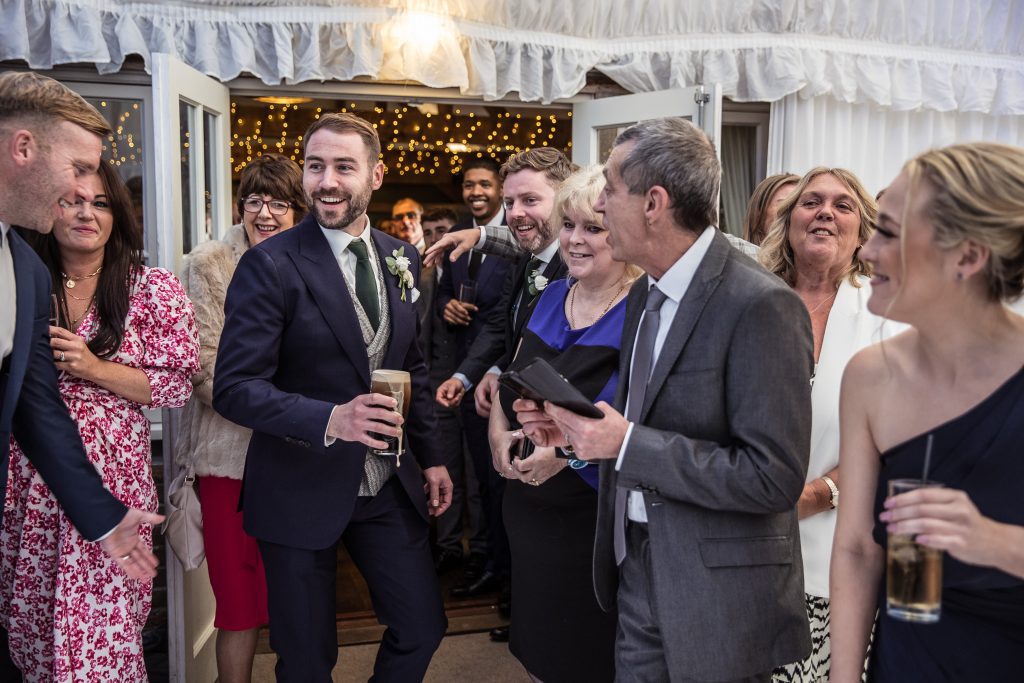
{"x":558,"y":631}
{"x":980,"y":635}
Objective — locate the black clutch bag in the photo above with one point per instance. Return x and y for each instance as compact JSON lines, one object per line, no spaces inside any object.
{"x":540,"y":382}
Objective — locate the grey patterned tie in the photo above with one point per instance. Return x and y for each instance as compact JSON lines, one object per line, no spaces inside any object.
{"x":643,"y":363}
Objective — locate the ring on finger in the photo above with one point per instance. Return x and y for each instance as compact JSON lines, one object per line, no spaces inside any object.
{"x":60,"y":358}
{"x":534,"y":482}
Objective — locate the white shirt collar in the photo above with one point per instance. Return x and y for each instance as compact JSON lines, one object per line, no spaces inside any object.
{"x":548,"y":252}
{"x":496,"y":219}
{"x":4,"y":228}
{"x":340,"y":239}
{"x":676,"y":279}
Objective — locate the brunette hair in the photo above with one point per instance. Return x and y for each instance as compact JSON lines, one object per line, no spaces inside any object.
{"x":757,"y":207}
{"x":555,"y":166}
{"x":122,"y":266}
{"x":442,"y":214}
{"x":342,"y":123}
{"x":38,"y":102}
{"x":277,"y":176}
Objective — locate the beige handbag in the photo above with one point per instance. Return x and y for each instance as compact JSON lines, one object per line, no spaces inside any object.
{"x":183,"y":527}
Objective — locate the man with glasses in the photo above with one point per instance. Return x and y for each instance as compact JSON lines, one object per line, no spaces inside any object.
{"x":406,"y":215}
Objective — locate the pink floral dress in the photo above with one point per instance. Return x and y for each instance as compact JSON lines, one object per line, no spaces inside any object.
{"x":72,"y":613}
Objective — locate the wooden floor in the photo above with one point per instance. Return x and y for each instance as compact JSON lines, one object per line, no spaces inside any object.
{"x":357,"y":623}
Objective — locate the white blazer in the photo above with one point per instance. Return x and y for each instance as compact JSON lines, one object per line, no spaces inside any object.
{"x":850,"y":328}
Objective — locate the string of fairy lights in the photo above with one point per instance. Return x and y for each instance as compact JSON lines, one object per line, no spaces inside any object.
{"x":415,"y":141}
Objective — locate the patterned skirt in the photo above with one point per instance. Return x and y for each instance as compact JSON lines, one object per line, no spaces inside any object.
{"x":815,"y":667}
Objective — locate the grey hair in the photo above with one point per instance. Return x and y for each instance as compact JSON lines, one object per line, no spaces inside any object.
{"x":676,"y":155}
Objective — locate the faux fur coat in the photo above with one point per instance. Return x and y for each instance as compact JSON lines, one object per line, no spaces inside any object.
{"x":216,"y":445}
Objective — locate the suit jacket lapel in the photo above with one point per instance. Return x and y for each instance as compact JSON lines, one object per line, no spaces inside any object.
{"x":24,"y":322}
{"x":319,"y":269}
{"x":705,"y":280}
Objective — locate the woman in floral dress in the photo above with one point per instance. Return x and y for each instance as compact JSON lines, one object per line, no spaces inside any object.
{"x":127,"y":339}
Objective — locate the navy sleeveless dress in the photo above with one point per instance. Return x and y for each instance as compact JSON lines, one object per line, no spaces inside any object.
{"x":558,"y":631}
{"x":980,"y":635}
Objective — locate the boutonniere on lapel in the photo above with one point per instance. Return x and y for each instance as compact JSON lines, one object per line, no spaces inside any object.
{"x":535,"y":282}
{"x":398,"y":265}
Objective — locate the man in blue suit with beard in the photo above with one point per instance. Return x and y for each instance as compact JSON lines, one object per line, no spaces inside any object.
{"x":308,"y":316}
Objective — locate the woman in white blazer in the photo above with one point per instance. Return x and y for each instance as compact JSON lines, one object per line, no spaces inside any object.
{"x":813,"y":245}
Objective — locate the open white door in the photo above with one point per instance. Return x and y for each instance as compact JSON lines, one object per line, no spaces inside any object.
{"x":193,"y":204}
{"x":596,"y":124}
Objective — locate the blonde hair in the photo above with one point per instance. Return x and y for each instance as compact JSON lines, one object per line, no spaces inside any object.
{"x":776,"y":252}
{"x":37,"y":102}
{"x":577,"y":195}
{"x":978,"y":196}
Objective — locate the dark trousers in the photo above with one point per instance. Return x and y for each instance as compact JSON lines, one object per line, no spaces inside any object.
{"x":465,"y":491}
{"x":492,"y":486}
{"x":8,"y":672}
{"x":388,"y":541}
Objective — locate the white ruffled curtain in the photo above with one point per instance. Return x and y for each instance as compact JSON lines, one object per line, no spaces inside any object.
{"x":871,"y":141}
{"x":904,"y":54}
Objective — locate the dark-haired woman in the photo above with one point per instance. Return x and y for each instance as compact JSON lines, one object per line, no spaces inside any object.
{"x":127,"y":339}
{"x":270,"y":201}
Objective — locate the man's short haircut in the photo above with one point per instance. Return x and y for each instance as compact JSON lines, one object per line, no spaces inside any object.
{"x":38,"y":101}
{"x":674,"y":154}
{"x":419,"y":207}
{"x":346,"y":123}
{"x":486,"y":163}
{"x":442,"y":214}
{"x":547,"y":160}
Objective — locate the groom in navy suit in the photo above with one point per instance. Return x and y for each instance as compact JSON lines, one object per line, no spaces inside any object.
{"x":308,"y":316}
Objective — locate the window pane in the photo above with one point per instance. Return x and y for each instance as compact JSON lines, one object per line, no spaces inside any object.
{"x":210,"y":144}
{"x":186,"y":117}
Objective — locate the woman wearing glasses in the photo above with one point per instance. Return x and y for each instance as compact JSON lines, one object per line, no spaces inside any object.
{"x":126,"y":339}
{"x":270,"y":200}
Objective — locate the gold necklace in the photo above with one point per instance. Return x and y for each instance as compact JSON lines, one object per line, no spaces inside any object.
{"x":70,"y":280}
{"x":823,"y":302}
{"x":572,"y":304}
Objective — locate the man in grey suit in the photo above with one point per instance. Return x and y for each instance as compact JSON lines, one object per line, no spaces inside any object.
{"x":704,"y":454}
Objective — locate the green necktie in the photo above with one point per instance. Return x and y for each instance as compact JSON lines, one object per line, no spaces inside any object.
{"x":366,"y":284}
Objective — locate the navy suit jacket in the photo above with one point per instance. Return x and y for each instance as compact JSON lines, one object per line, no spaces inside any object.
{"x":489,"y":281}
{"x":497,"y":340}
{"x":290,"y":351}
{"x":32,"y":410}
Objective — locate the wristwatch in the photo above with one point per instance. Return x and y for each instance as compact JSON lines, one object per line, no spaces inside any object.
{"x":833,"y":501}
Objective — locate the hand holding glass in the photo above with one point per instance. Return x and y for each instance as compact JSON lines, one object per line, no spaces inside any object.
{"x":913,"y":572}
{"x":467,"y":292}
{"x":398,"y":385}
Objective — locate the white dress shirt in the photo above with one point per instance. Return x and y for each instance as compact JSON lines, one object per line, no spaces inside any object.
{"x":673,"y":284}
{"x":8,"y":315}
{"x":339,"y":241}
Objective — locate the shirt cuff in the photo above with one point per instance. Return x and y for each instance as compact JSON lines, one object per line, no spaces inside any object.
{"x":622,"y":449}
{"x":329,"y":440}
{"x":105,"y":535}
{"x":493,"y":370}
{"x":466,"y":384}
{"x":483,"y":237}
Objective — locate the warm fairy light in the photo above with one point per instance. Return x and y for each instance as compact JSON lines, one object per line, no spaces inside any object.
{"x":411,"y":145}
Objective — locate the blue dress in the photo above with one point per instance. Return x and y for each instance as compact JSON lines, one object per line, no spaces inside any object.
{"x":558,"y":631}
{"x":980,"y":635}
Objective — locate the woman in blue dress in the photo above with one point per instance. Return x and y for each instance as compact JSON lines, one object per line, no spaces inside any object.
{"x":559,"y":632}
{"x":947,"y":254}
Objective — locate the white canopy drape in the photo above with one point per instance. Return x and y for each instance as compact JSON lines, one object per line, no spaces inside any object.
{"x":904,"y":55}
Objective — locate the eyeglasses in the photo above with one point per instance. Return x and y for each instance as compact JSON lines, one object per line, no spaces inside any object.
{"x":96,"y":204}
{"x":411,"y":215}
{"x":277,"y":207}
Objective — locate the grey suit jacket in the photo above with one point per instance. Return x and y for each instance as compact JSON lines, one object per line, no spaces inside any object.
{"x":720,"y":453}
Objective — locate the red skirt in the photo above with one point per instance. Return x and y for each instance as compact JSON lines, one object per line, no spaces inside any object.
{"x":233,"y":558}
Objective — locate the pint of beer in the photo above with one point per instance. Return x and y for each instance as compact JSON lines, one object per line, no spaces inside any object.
{"x":913,"y":572}
{"x":398,"y":385}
